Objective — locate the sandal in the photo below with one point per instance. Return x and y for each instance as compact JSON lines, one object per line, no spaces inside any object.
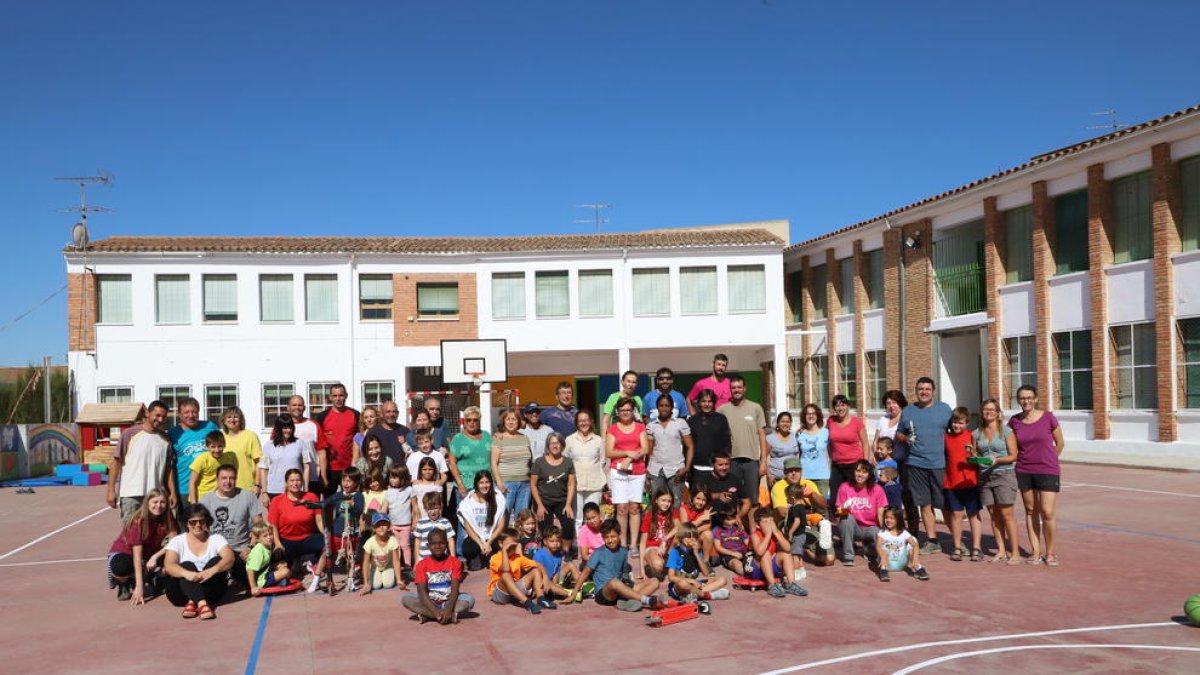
{"x":1015,"y":560}
{"x":957,"y":555}
{"x":976,"y":555}
{"x":1000,"y":557}
{"x":1051,"y":560}
{"x":207,"y":612}
{"x":189,"y":610}
{"x":1034,"y":560}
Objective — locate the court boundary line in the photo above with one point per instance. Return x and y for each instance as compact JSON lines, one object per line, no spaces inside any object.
{"x":999,"y":650}
{"x":51,"y":534}
{"x":1129,"y":489}
{"x":259,"y":634}
{"x":963,"y":641}
{"x":51,"y":562}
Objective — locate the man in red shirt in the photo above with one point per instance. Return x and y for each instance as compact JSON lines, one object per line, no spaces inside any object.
{"x":309,"y":430}
{"x":340,"y":423}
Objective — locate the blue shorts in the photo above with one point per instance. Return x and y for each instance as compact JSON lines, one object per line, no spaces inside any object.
{"x":964,"y":499}
{"x":757,"y":572}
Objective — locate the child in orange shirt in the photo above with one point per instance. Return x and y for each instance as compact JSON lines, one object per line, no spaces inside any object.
{"x":515,"y":579}
{"x":962,"y":485}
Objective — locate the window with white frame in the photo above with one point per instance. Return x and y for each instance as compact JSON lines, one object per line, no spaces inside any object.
{"x":508,"y":296}
{"x":876,"y":378}
{"x":848,"y":382}
{"x":697,"y":290}
{"x":652,"y":291}
{"x":375,"y":297}
{"x":1073,"y":369}
{"x":1135,"y":381}
{"x":115,"y":395}
{"x":796,"y":383}
{"x":218,"y":397}
{"x":377,"y":393}
{"x":552,"y":294}
{"x":820,"y":373}
{"x":320,"y":298}
{"x":318,"y":396}
{"x":114,"y":298}
{"x":171,"y":394}
{"x":747,"y":289}
{"x":846,"y":288}
{"x":437,"y":300}
{"x":595,"y":293}
{"x":275,"y":397}
{"x":275,"y":298}
{"x":1189,"y":362}
{"x":220,"y":298}
{"x":1020,"y":365}
{"x":172,"y":298}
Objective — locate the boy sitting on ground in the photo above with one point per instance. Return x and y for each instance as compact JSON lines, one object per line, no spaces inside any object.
{"x":689,"y":576}
{"x":438,"y":577}
{"x":515,"y":579}
{"x":608,"y":567}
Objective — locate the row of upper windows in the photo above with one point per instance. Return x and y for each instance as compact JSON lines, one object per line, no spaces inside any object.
{"x":746,"y":286}
{"x":872,"y":280}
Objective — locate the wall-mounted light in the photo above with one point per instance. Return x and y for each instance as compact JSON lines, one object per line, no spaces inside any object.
{"x":912,"y":241}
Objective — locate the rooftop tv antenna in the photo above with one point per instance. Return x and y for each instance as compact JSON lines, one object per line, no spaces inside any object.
{"x":79,"y":232}
{"x":597,"y":218}
{"x":1113,"y":124}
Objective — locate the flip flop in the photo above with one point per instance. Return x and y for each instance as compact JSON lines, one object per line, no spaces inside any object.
{"x":1034,"y":560}
{"x":1051,"y":560}
{"x":1000,"y":557}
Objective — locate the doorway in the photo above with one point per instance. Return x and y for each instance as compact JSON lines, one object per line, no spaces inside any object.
{"x":962,"y":374}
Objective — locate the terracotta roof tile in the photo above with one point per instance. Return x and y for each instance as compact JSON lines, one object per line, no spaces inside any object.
{"x":435,"y":245}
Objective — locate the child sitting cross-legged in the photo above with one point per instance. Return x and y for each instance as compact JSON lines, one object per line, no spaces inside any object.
{"x":438,"y":576}
{"x":608,"y":567}
{"x":266,"y":565}
{"x":515,"y":579}
{"x":550,"y":556}
{"x":730,"y":539}
{"x":688,"y":574}
{"x":896,"y":548}
{"x":773,"y":557}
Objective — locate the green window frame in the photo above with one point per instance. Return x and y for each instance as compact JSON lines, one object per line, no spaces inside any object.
{"x":1134,"y":371}
{"x":848,"y":380}
{"x":1132,"y":206}
{"x":846,"y":287}
{"x":819,"y":290}
{"x":795,"y":296}
{"x":1018,"y":248}
{"x":1189,"y":193}
{"x":876,"y":374}
{"x":1071,"y":232}
{"x":1020,"y":365}
{"x":874,"y":278}
{"x":1073,"y":369}
{"x":820,"y":371}
{"x":1189,"y":361}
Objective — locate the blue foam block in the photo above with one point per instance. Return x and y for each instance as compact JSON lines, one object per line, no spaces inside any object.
{"x":69,"y":469}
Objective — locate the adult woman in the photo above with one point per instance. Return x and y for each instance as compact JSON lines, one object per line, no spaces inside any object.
{"x":847,"y":442}
{"x":284,"y":453}
{"x":368,"y":418}
{"x":197,"y":565}
{"x":782,"y":445}
{"x":298,"y":531}
{"x":511,"y":457}
{"x":894,"y":402}
{"x":421,"y":421}
{"x":244,"y":444}
{"x":813,"y":439}
{"x":629,"y":381}
{"x":860,"y":505}
{"x":481,"y":517}
{"x":586,"y":450}
{"x":373,"y":459}
{"x":552,"y":487}
{"x":139,"y":547}
{"x":470,"y":451}
{"x":1039,"y":441}
{"x":626,"y":446}
{"x":998,"y":481}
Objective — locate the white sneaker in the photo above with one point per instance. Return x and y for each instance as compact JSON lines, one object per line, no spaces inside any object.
{"x":312,"y":585}
{"x":720,"y":594}
{"x":825,"y":535}
{"x":801,"y":574}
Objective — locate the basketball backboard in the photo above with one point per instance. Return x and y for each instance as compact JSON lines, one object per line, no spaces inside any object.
{"x":462,"y":358}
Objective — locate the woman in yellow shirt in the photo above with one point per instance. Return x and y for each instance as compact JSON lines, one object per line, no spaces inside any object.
{"x":244,"y":444}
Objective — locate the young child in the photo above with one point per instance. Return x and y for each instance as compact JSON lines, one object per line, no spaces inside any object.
{"x":204,"y":467}
{"x":438,"y":577}
{"x":425,"y":449}
{"x":896,"y":548}
{"x":889,"y":478}
{"x":883,"y":457}
{"x":432,"y":502}
{"x":796,"y":527}
{"x":688,"y":574}
{"x":962,"y":486}
{"x":731,"y":541}
{"x":349,"y":520}
{"x":375,"y":496}
{"x":381,"y":566}
{"x":427,"y":481}
{"x":773,"y":555}
{"x":527,"y":528}
{"x":608,"y":568}
{"x":515,"y":579}
{"x":589,"y":535}
{"x":698,"y":512}
{"x":265,"y":565}
{"x":400,"y":510}
{"x":550,"y":556}
{"x":657,"y":534}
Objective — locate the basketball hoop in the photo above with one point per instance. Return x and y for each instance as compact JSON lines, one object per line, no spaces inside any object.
{"x":476,"y":379}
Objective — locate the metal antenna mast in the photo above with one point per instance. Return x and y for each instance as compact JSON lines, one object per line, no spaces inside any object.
{"x":79,"y":233}
{"x":1113,"y":124}
{"x":597,"y":218}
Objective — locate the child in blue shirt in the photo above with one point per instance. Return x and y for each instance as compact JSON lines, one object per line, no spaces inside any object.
{"x":608,"y":568}
{"x":550,"y":557}
{"x":688,"y":575}
{"x":883,"y":457}
{"x":889,"y":478}
{"x":348,"y":520}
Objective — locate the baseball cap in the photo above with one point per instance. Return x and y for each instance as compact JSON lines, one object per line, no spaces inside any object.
{"x":792,"y":463}
{"x":531,"y":407}
{"x":380,"y":518}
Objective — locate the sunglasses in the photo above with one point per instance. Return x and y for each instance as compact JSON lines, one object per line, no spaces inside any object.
{"x":197,"y":522}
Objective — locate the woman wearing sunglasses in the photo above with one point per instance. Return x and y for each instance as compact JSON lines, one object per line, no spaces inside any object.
{"x":197,"y":564}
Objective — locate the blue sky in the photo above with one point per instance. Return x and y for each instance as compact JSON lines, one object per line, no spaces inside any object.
{"x":495,"y":118}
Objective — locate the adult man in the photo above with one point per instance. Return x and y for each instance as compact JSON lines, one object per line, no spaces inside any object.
{"x":670,"y":449}
{"x":561,"y":416}
{"x":717,"y":382}
{"x":922,"y":426}
{"x":309,"y":430}
{"x":710,"y":436}
{"x":340,"y":423}
{"x":188,"y":441}
{"x":441,"y":440}
{"x":390,"y":432}
{"x":233,"y":510}
{"x":724,"y":487}
{"x":663,"y":379}
{"x":750,"y":450}
{"x":813,"y":501}
{"x":142,"y":462}
{"x":534,"y":430}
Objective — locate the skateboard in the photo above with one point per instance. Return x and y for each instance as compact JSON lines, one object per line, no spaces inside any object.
{"x":746,"y":583}
{"x":291,"y":587}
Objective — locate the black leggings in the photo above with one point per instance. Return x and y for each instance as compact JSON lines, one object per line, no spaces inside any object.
{"x":556,"y":510}
{"x":180,"y":591}
{"x":475,"y":557}
{"x":841,"y":473}
{"x":121,"y":565}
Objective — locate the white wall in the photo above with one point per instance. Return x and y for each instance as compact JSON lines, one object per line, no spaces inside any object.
{"x":1131,"y":292}
{"x":1187,"y":283}
{"x":1016,"y":309}
{"x":1070,"y":302}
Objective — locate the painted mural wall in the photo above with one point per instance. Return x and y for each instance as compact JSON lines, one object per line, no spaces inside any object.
{"x":28,"y":450}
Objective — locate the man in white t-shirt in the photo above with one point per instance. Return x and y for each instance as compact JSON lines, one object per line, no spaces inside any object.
{"x":143,"y":461}
{"x":308,"y":430}
{"x":534,"y":430}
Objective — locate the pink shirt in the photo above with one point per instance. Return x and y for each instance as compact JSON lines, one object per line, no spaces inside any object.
{"x":590,"y":539}
{"x":1035,"y":445}
{"x":862,"y":503}
{"x":721,"y":389}
{"x":626,"y":442}
{"x":845,"y":442}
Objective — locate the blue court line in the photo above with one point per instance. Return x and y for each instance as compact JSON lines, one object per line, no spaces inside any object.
{"x":252,"y":662}
{"x":1076,"y":525}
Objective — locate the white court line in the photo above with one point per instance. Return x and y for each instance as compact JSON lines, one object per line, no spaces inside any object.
{"x":964,"y":641}
{"x":51,"y":534}
{"x":50,"y":562}
{"x":943,"y":659}
{"x":1129,"y":489}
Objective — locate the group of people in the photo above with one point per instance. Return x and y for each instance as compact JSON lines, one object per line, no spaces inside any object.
{"x":690,"y":482}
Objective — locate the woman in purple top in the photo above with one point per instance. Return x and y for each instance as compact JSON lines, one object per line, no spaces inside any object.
{"x":1038,"y":441}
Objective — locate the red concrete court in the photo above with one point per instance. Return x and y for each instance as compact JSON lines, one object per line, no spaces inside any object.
{"x":1128,"y":546}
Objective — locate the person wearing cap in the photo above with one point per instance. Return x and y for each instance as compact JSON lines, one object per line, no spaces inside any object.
{"x":534,"y":430}
{"x":381,"y":569}
{"x":814,"y":503}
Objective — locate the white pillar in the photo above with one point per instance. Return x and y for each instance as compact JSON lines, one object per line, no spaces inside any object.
{"x":485,"y":407}
{"x":622,"y":362}
{"x":781,"y":377}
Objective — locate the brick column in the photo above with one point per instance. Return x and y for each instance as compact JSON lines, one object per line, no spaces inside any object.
{"x":860,"y":304}
{"x":806,"y":342}
{"x":1043,"y":269}
{"x":891,"y":307}
{"x":919,"y":309}
{"x":994,"y":241}
{"x":1165,"y":209}
{"x":833,"y":307}
{"x":81,"y":312}
{"x":1100,"y":256}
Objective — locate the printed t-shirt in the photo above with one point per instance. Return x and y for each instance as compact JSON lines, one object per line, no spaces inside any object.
{"x":721,"y":389}
{"x":607,"y":564}
{"x":746,"y":419}
{"x":472,"y":455}
{"x":778,"y":450}
{"x":156,"y":533}
{"x":779,"y":493}
{"x":814,"y":454}
{"x":232,"y":516}
{"x":381,"y":553}
{"x":552,"y":480}
{"x":679,"y":409}
{"x":375,"y":501}
{"x":728,"y":484}
{"x":179,"y":545}
{"x":294,"y":522}
{"x":424,"y":527}
{"x":926,"y":432}
{"x":590,"y":539}
{"x":655,"y":526}
{"x":845,"y":442}
{"x":188,"y":444}
{"x":896,"y":549}
{"x":339,"y":428}
{"x":475,"y":511}
{"x":959,"y":474}
{"x":248,"y":449}
{"x":438,"y":577}
{"x":206,"y":467}
{"x":551,"y":561}
{"x":625,"y":442}
{"x":862,"y":503}
{"x":1035,"y":445}
{"x":146,"y":457}
{"x":731,"y":538}
{"x":668,"y":455}
{"x":518,"y":565}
